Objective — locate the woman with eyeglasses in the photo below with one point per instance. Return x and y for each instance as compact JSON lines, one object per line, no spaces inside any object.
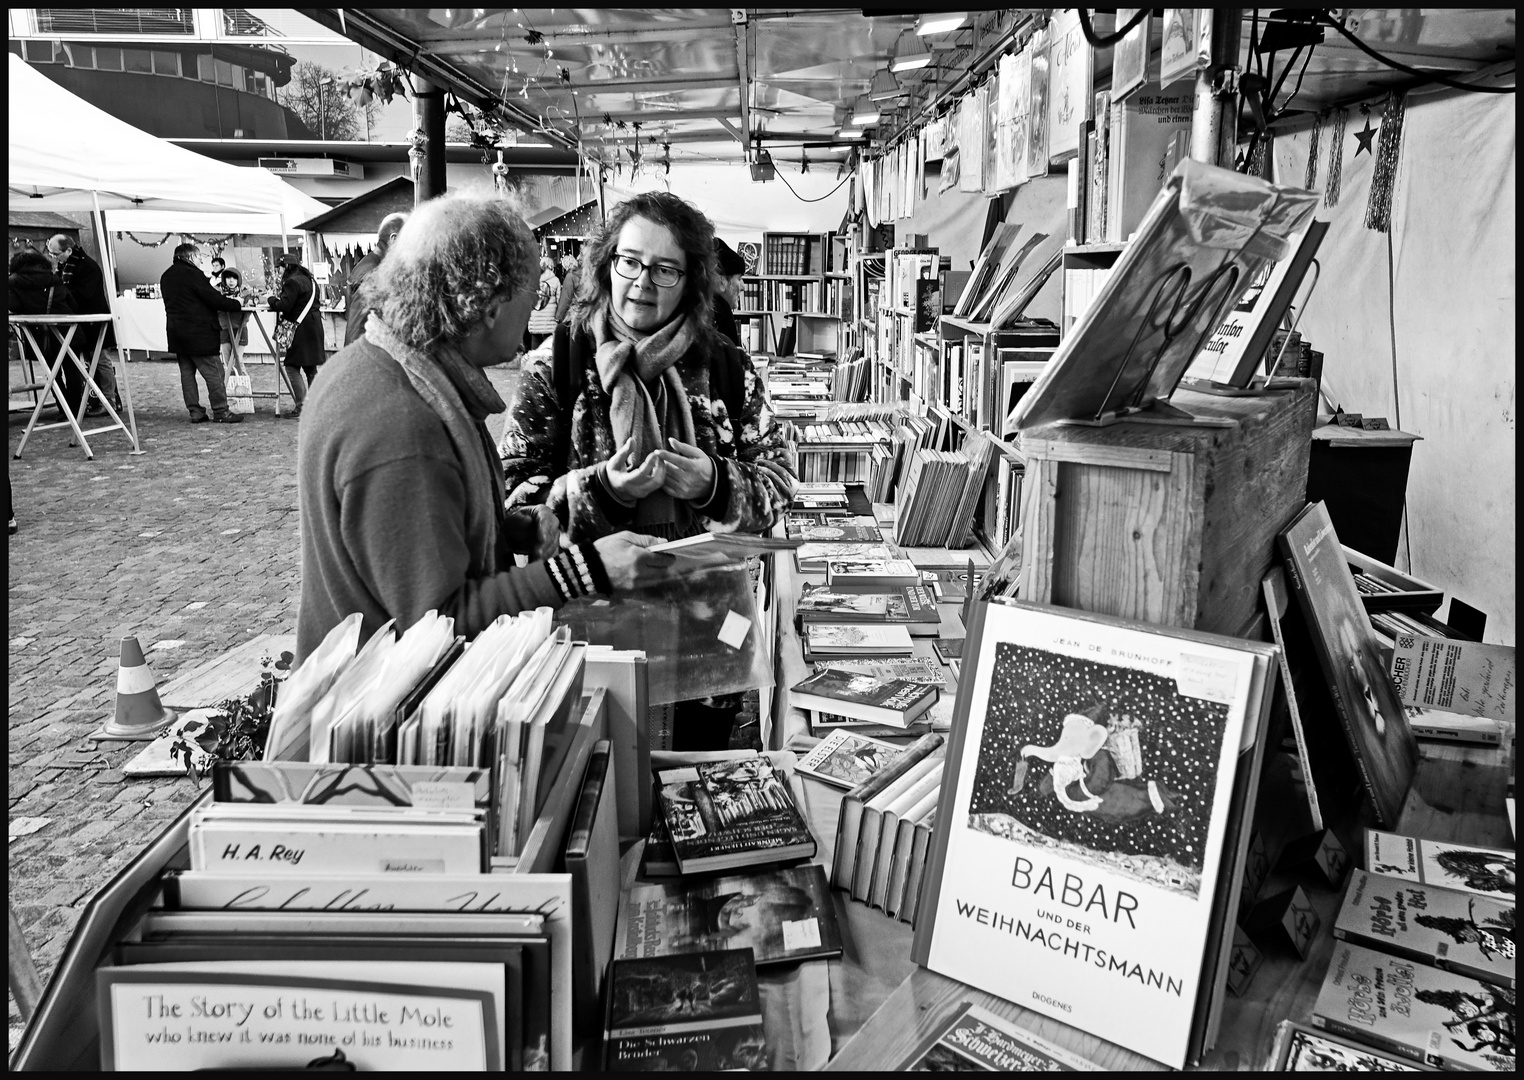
{"x":644,"y":417}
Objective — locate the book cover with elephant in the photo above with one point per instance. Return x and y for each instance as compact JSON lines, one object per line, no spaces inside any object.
{"x":1089,"y":819}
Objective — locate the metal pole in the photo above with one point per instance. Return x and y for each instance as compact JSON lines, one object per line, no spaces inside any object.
{"x":108,"y":271}
{"x":1214,"y":122}
{"x":429,"y":114}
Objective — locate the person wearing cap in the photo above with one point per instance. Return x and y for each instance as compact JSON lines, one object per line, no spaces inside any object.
{"x":297,"y":288}
{"x":729,"y":270}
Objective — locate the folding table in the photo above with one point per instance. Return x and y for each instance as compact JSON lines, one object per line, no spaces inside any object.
{"x":63,"y":327}
{"x":251,"y":316}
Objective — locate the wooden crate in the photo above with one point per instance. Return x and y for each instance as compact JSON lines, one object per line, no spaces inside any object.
{"x":1167,"y":523}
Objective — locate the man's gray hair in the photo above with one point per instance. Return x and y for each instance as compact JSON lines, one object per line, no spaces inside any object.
{"x":454,"y":257}
{"x":388,"y":229}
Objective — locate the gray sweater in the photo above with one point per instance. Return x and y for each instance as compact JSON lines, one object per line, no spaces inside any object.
{"x":383,"y":518}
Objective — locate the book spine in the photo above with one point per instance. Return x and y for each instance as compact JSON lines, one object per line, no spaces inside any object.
{"x":1372,"y":1038}
{"x":848,"y":826}
{"x":867,"y":852}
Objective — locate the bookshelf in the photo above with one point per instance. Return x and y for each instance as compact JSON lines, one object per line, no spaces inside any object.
{"x":805,"y":279}
{"x":1085,"y":269}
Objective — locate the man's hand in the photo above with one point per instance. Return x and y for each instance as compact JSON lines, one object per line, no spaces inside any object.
{"x":631,"y":482}
{"x":629,"y":565}
{"x":689,"y":471}
{"x":532,"y":531}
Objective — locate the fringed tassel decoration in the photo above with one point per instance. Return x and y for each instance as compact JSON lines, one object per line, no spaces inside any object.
{"x":1312,"y":153}
{"x":1261,"y":156}
{"x":1335,"y":159}
{"x":1378,"y":208}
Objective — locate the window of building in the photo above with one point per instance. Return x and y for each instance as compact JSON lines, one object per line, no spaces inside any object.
{"x":140,"y":60}
{"x":115,"y":21}
{"x":225,"y":74}
{"x":206,"y":70}
{"x":166,"y":63}
{"x":240,"y":22}
{"x":39,"y":52}
{"x":79,"y":56}
{"x":108,"y":58}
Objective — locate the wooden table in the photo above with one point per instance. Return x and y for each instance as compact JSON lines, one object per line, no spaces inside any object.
{"x":63,"y":328}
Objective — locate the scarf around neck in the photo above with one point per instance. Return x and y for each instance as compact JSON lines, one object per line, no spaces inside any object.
{"x":462,"y":397}
{"x":647,"y":400}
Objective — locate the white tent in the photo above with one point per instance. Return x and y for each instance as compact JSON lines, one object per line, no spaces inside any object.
{"x":65,"y":154}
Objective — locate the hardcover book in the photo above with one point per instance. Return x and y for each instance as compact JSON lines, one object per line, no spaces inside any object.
{"x":844,"y":573}
{"x":782,"y":914}
{"x":864,"y":697}
{"x":811,"y":558}
{"x":1304,"y":1049}
{"x":910,"y":605}
{"x":976,"y":1040}
{"x":1483,"y":871}
{"x":727,"y":814}
{"x":845,"y":759}
{"x":700,"y":1012}
{"x":1438,"y":927}
{"x":1375,"y":724}
{"x":825,"y":641}
{"x":1424,"y":1014}
{"x":833,"y":529}
{"x":1084,"y":830}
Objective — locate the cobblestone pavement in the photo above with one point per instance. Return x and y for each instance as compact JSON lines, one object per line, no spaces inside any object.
{"x":193,"y":547}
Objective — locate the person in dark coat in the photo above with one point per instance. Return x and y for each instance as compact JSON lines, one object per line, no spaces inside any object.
{"x":33,"y":287}
{"x":729,"y":269}
{"x":297,"y":287}
{"x":355,"y":306}
{"x":191,"y":305}
{"x":87,"y":284}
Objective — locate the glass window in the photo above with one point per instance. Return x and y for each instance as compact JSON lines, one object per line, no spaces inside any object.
{"x":166,"y":63}
{"x":205,"y":70}
{"x":80,"y":56}
{"x":39,"y":52}
{"x":225,"y":73}
{"x":108,"y":58}
{"x":137,"y":60}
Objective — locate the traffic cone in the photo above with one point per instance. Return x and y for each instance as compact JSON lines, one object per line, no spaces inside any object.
{"x":139,"y":713}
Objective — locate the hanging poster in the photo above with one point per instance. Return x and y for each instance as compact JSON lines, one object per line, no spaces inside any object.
{"x":1177,"y":56}
{"x":1037,"y":108}
{"x":1129,"y":61}
{"x":1006,"y":107}
{"x":991,"y":130}
{"x":936,"y":138}
{"x":971,"y":141}
{"x":1069,"y":85}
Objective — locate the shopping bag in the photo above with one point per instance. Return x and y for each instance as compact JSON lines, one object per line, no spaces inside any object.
{"x":285,"y":332}
{"x":240,"y":390}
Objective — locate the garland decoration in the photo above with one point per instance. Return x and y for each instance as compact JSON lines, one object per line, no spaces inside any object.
{"x":1378,"y":206}
{"x":150,"y":243}
{"x":1335,"y":159}
{"x":1312,"y":153}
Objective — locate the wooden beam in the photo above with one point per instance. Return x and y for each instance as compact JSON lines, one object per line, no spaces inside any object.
{"x":738,"y":19}
{"x":735,"y":134}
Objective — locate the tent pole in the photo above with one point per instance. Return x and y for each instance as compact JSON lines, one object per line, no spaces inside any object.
{"x":108,"y":271}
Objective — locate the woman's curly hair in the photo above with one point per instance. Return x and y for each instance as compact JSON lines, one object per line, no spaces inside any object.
{"x":694,"y":235}
{"x":454,"y":257}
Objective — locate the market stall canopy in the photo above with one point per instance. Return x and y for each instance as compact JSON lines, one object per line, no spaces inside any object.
{"x":63,"y":149}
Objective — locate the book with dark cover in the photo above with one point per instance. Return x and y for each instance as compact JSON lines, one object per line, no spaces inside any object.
{"x":700,"y":1012}
{"x":864,"y":697}
{"x":909,"y":605}
{"x":592,"y":858}
{"x":948,"y":649}
{"x":976,"y":1040}
{"x":782,"y":914}
{"x":1303,"y":1049}
{"x":658,"y":859}
{"x":1424,"y":1014}
{"x":1439,"y":927}
{"x":1375,"y":724}
{"x":727,"y":814}
{"x":947,"y":583}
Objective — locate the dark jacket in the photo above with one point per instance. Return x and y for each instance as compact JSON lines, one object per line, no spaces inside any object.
{"x":27,"y":294}
{"x":356,"y":309}
{"x":725,"y":320}
{"x":83,"y":276}
{"x":568,"y":293}
{"x":296,"y":286}
{"x":755,"y":477}
{"x":191,"y":305}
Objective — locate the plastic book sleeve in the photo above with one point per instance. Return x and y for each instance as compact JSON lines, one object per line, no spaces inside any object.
{"x":1224,"y":209}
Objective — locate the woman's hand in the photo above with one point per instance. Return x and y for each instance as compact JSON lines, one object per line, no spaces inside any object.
{"x":689,"y":471}
{"x":532,"y":531}
{"x":629,"y":565}
{"x":630,"y":482}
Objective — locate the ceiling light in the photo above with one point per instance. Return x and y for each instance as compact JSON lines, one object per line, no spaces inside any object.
{"x":941,"y":23}
{"x":884,"y":87}
{"x":841,"y":133}
{"x":864,"y":112}
{"x":910,"y":61}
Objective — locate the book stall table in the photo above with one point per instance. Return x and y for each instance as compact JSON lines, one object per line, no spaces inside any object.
{"x":34,"y":330}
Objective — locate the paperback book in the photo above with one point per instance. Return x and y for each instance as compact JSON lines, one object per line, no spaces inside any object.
{"x":863,"y":697}
{"x":976,"y":1040}
{"x":909,"y":605}
{"x":1375,"y":724}
{"x":833,"y":528}
{"x":700,"y":1012}
{"x":845,"y":759}
{"x":782,"y":914}
{"x":1468,"y":934}
{"x":1421,"y":1013}
{"x":722,"y":815}
{"x":871,"y":573}
{"x":846,"y":641}
{"x":1304,"y":1049}
{"x":1091,"y":776}
{"x":1488,"y":872}
{"x":812,"y":557}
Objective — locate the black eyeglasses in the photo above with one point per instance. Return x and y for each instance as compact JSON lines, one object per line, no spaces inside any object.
{"x":662,"y":275}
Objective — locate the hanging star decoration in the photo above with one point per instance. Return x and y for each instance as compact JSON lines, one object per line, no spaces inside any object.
{"x":534,"y":37}
{"x":565,"y":76}
{"x":1364,"y":137}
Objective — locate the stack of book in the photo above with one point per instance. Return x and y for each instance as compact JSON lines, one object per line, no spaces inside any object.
{"x":816,"y":556}
{"x":828,"y":495}
{"x":893,"y":702}
{"x":940,"y":494}
{"x":909,"y":605}
{"x":847,"y":641}
{"x":840,"y":450}
{"x":726,"y":814}
{"x":915,"y":669}
{"x":1434,"y":923}
{"x":884,"y":830}
{"x":852,"y":377}
{"x":818,"y":527}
